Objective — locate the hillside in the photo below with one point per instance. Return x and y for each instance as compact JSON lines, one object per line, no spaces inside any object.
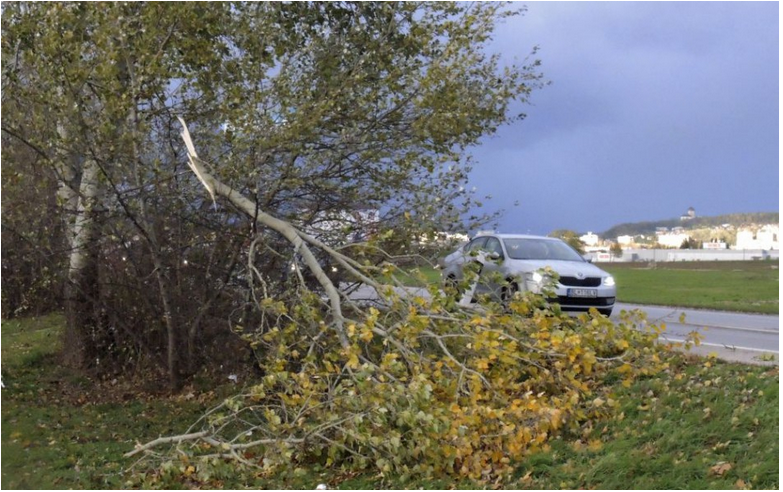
{"x":648,"y":228}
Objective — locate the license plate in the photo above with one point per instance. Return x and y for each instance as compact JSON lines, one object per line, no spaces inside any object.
{"x":582,"y":293}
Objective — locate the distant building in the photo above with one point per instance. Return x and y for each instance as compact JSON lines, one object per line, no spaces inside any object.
{"x":765,"y":237}
{"x":445,"y":238}
{"x":672,"y":240}
{"x":690,"y":214}
{"x":589,"y":239}
{"x":625,"y":240}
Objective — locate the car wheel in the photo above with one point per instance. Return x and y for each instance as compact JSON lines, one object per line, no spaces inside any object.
{"x":507,"y":294}
{"x":450,"y":283}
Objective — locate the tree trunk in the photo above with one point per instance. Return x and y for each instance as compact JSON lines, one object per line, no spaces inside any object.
{"x":83,"y":336}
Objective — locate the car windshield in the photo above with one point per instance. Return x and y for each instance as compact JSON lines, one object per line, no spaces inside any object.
{"x":540,"y":249}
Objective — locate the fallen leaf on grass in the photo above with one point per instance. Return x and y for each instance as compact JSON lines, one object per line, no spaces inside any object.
{"x":720,"y":468}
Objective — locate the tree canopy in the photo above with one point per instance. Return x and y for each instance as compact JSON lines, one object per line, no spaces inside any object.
{"x":313,"y":110}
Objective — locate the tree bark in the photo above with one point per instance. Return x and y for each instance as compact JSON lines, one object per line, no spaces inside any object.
{"x":67,"y":196}
{"x":83,"y":337}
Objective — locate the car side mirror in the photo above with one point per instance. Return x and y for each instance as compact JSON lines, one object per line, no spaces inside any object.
{"x":588,"y":258}
{"x":494,"y":256}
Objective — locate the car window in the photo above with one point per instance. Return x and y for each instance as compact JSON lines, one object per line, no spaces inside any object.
{"x":493,"y":246}
{"x":540,"y":249}
{"x":476,"y":244}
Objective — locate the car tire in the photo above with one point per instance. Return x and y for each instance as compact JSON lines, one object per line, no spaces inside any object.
{"x":451,"y":283}
{"x":508,"y":291}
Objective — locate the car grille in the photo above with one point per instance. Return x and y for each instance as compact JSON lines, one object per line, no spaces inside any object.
{"x":581,"y":282}
{"x":579,"y":301}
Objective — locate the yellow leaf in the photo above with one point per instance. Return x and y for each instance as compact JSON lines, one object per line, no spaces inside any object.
{"x":353,"y":361}
{"x":720,"y":468}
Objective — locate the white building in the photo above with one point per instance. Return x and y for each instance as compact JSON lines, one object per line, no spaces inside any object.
{"x":625,"y":240}
{"x":672,"y":240}
{"x":765,"y":237}
{"x":589,"y":239}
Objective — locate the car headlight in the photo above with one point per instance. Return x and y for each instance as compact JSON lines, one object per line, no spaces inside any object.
{"x":609,"y":281}
{"x":537,"y":277}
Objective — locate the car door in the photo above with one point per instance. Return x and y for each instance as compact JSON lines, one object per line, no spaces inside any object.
{"x":492,"y":259}
{"x":469,"y":253}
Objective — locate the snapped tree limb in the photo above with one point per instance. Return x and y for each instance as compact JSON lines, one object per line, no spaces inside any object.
{"x":216,"y":187}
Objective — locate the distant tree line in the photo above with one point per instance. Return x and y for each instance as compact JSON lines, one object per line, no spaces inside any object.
{"x":648,"y":228}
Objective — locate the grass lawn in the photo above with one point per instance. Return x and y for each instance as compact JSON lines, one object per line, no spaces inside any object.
{"x":61,"y":430}
{"x":747,"y":286}
{"x":703,"y":424}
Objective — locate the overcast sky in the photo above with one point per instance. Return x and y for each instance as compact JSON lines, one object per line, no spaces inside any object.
{"x":652,"y":108}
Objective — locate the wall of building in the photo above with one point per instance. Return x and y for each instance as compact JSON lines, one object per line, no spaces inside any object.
{"x":672,"y":240}
{"x":764,"y":238}
{"x":589,"y":239}
{"x":688,"y":255}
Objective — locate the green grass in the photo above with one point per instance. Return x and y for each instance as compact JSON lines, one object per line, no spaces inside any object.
{"x":701,"y":425}
{"x":61,"y":430}
{"x":743,"y":286}
{"x":748,"y":286}
{"x":419,"y":276}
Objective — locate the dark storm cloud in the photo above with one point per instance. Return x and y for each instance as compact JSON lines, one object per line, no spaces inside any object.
{"x":653,"y":107}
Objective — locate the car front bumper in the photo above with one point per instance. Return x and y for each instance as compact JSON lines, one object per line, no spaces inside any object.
{"x":569,"y":300}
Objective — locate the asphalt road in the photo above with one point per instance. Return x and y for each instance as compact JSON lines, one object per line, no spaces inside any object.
{"x":738,"y":337}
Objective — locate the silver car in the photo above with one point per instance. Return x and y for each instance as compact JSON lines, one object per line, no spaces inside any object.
{"x":520,"y":261}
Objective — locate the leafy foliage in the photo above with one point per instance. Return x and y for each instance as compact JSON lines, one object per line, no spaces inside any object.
{"x":424,"y":388}
{"x":616,"y":250}
{"x":318,"y":111}
{"x":303,"y":114}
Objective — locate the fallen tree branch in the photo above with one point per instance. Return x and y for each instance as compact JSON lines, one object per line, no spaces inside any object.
{"x":288,"y":231}
{"x":166,"y":440}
